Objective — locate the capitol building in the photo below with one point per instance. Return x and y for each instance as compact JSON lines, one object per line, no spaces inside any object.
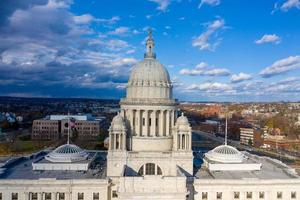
{"x":150,"y":157}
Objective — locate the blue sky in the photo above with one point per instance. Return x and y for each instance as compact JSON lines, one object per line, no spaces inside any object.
{"x":214,"y":50}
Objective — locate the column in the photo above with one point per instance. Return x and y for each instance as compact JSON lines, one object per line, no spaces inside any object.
{"x":146,"y":123}
{"x":139,"y":124}
{"x":161,"y":123}
{"x":40,"y":196}
{"x":153,"y":123}
{"x":180,"y":141}
{"x":167,"y":122}
{"x":172,"y":119}
{"x":124,"y":141}
{"x":131,"y":121}
{"x":115,"y":142}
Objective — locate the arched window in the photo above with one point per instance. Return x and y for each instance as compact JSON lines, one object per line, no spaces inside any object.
{"x":150,"y":169}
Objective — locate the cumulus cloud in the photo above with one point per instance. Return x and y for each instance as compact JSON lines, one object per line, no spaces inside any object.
{"x":288,"y":4}
{"x":236,"y":78}
{"x":268,"y":38}
{"x":162,"y":4}
{"x":42,"y":43}
{"x":212,"y":87}
{"x":120,"y":31}
{"x":209,"y":2}
{"x":203,"y":70}
{"x":203,"y":41}
{"x":281,"y":66}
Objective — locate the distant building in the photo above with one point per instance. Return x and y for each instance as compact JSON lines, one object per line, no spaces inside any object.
{"x":56,"y":126}
{"x":45,"y":129}
{"x":246,"y":136}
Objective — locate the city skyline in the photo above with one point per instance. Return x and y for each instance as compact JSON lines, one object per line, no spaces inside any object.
{"x":214,"y":50}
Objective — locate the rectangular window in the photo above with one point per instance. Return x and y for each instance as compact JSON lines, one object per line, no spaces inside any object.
{"x":261,"y":195}
{"x":34,"y":196}
{"x":236,"y":195}
{"x":279,"y":195}
{"x":0,"y":196}
{"x":156,"y":121}
{"x":96,"y":196}
{"x":249,"y":195}
{"x":143,"y":121}
{"x":219,"y":195}
{"x":293,"y":195}
{"x":204,"y":195}
{"x":149,"y":121}
{"x":14,"y":196}
{"x":61,"y":196}
{"x":47,"y":196}
{"x":114,"y":194}
{"x":80,"y":196}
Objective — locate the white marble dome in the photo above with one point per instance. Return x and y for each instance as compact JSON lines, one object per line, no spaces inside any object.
{"x":149,"y":79}
{"x":225,"y":154}
{"x":182,"y":120}
{"x":118,"y":123}
{"x":67,"y":153}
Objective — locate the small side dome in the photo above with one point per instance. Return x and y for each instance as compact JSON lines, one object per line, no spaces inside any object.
{"x":67,"y":153}
{"x":225,"y":154}
{"x":117,"y":123}
{"x":182,"y":120}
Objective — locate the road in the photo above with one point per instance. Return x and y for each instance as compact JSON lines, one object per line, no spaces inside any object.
{"x":247,"y":148}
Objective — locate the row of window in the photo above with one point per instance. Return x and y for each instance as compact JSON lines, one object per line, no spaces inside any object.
{"x":48,"y":196}
{"x":249,"y":195}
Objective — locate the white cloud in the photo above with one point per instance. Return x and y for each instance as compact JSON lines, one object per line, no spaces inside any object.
{"x":209,"y":2}
{"x":201,"y":69}
{"x":83,"y":19}
{"x":120,"y":31}
{"x":288,"y":4}
{"x":203,"y":40}
{"x":162,"y":4}
{"x":268,"y":38}
{"x":281,"y":66}
{"x":112,"y":20}
{"x":235,"y":78}
{"x":211,"y":87}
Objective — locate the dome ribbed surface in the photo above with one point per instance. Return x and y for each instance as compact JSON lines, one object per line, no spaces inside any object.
{"x":225,"y":154}
{"x":149,"y":71}
{"x":68,"y":148}
{"x":67,"y":153}
{"x":225,"y":149}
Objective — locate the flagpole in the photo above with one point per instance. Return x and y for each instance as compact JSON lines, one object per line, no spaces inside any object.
{"x":226,"y":127}
{"x":68,"y":128}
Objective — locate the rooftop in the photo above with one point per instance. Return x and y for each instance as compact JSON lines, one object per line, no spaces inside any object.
{"x":271,"y":169}
{"x":21,"y":168}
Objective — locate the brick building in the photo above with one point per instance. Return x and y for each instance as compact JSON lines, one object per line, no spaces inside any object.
{"x":45,"y":129}
{"x":56,"y":126}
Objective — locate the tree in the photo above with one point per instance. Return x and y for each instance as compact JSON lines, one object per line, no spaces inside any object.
{"x":250,"y":143}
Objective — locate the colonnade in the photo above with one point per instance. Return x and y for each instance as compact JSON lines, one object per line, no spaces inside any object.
{"x":183,"y":141}
{"x":117,"y":141}
{"x":150,"y":123}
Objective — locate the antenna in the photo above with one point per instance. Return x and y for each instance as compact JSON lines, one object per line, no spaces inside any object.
{"x":68,"y":142}
{"x":226,"y":127}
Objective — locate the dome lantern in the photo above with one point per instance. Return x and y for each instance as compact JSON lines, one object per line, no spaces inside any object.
{"x":150,"y":46}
